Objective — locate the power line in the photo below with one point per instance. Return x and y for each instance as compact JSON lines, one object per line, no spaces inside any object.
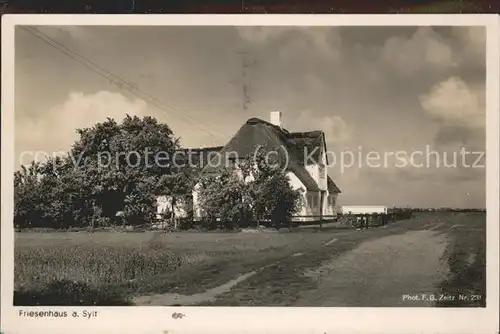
{"x":121,"y":81}
{"x":111,"y":76}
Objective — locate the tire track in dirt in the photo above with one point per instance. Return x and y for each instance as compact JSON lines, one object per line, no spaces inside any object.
{"x":169,"y":299}
{"x":172,"y":299}
{"x":378,"y":250}
{"x":379,"y":272}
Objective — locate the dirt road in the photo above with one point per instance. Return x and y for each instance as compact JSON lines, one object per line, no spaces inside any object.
{"x":392,"y":266}
{"x":390,"y":271}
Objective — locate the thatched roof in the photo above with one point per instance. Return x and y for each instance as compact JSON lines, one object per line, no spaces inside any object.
{"x":307,"y":142}
{"x":288,"y":146}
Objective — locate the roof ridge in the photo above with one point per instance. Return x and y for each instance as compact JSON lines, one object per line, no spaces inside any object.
{"x":256,"y":120}
{"x":256,"y":130}
{"x":201,"y":148}
{"x":293,"y":149}
{"x":318,"y":132}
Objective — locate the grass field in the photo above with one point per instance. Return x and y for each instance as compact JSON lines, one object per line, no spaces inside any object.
{"x":465,"y":257}
{"x":100,"y":268}
{"x":110,"y":268}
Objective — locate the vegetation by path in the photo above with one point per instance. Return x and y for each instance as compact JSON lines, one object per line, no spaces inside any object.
{"x":465,"y":257}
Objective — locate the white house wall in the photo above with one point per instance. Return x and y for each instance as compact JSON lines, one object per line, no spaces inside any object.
{"x":364,"y":209}
{"x":329,"y":210}
{"x":323,"y":152}
{"x":294,"y":182}
{"x":305,"y":212}
{"x":313,"y":171}
{"x":197,"y":214}
{"x":325,"y":204}
{"x":322,"y":179}
{"x":164,"y":205}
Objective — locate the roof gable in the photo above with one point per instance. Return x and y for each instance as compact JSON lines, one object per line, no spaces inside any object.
{"x":332,"y":187}
{"x":309,"y":144}
{"x":288,"y":147}
{"x":254,"y":134}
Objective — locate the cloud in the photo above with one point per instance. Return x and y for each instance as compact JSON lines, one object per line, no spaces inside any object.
{"x":471,"y":41}
{"x":321,"y":40}
{"x":260,"y":35}
{"x":459,"y":111}
{"x":392,"y":89}
{"x":336,"y":130}
{"x":325,"y":41}
{"x":424,"y":49}
{"x":454,"y":103}
{"x":54,"y":130}
{"x":474,"y":35}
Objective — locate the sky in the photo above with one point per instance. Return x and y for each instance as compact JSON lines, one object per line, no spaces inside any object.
{"x":374,"y":91}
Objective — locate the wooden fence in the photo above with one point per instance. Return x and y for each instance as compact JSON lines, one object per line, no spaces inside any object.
{"x":346,"y":220}
{"x":375,"y":219}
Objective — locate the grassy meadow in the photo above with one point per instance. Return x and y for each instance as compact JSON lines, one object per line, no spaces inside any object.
{"x":110,"y":268}
{"x":465,"y":257}
{"x":105,"y":268}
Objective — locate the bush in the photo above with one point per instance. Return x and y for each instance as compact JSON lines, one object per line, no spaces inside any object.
{"x":68,"y":293}
{"x":186,"y":224}
{"x":250,"y":191}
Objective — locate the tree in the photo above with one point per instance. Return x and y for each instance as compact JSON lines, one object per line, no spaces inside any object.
{"x":224,"y":196}
{"x":26,"y":196}
{"x":250,"y":190}
{"x":277,"y":200}
{"x":274,"y":198}
{"x":111,"y":168}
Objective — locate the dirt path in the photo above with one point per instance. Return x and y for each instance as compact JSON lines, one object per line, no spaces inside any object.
{"x":171,"y":299}
{"x":389,"y":271}
{"x":380,"y":272}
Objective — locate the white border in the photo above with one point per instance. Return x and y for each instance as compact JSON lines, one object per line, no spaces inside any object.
{"x":251,"y":320}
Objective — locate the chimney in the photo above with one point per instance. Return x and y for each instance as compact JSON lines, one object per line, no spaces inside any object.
{"x":276,"y":118}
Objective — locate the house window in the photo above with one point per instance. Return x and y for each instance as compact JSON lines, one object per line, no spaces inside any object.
{"x":313,"y":200}
{"x":331,"y":200}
